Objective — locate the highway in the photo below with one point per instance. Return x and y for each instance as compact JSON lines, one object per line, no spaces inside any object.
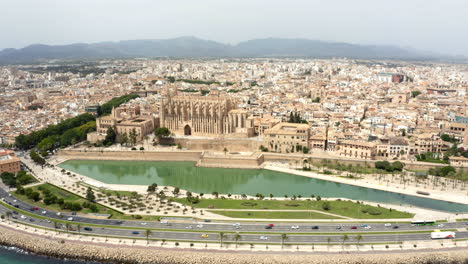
{"x":185,"y":230}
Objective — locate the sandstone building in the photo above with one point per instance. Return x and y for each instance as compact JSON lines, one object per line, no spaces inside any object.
{"x":9,"y":162}
{"x":205,"y":116}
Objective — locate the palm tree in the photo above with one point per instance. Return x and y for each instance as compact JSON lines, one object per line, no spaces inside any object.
{"x":237,"y":236}
{"x":148,"y":233}
{"x":222,"y":236}
{"x":56,"y":226}
{"x":283,"y":238}
{"x":344,"y":238}
{"x":67,"y":225}
{"x":8,"y":215}
{"x":328,"y":242}
{"x":359,"y":238}
{"x":78,"y":227}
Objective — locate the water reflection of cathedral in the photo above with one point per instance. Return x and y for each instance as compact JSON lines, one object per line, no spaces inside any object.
{"x":205,"y":116}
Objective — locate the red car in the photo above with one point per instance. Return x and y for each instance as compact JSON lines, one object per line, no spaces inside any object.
{"x":354,"y":227}
{"x":35,"y":208}
{"x":272,"y":225}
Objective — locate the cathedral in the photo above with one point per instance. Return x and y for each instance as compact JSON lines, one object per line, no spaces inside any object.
{"x":210,"y":116}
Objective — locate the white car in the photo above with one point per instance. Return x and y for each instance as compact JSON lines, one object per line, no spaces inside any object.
{"x":440,"y":225}
{"x":189,"y":227}
{"x":144,"y":224}
{"x":295,"y":227}
{"x":44,"y":212}
{"x":388,"y":224}
{"x":368,"y":227}
{"x":263,"y":238}
{"x":164,"y":222}
{"x":199,"y":225}
{"x":23,"y":217}
{"x":70,"y":218}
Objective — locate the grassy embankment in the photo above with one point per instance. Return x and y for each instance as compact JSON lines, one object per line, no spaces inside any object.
{"x":342,"y":208}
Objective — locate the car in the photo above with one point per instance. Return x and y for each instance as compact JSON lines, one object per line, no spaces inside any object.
{"x":23,"y":217}
{"x":15,"y":201}
{"x":295,"y":227}
{"x":15,"y":212}
{"x":207,"y":220}
{"x":395,"y":227}
{"x":189,"y":227}
{"x":31,"y":220}
{"x":236,"y":225}
{"x":339,"y":227}
{"x":199,"y":225}
{"x":268,"y":227}
{"x":119,"y":222}
{"x":16,"y":206}
{"x":388,"y":224}
{"x":368,"y":227}
{"x":263,"y":238}
{"x":88,"y":229}
{"x":48,"y":221}
{"x":363,"y":225}
{"x":9,"y":195}
{"x":164,"y":222}
{"x":315,"y":227}
{"x":31,"y":209}
{"x":354,"y":227}
{"x":14,"y":217}
{"x":73,"y":213}
{"x":70,"y":218}
{"x":204,"y":236}
{"x":440,"y":225}
{"x":44,"y":212}
{"x":36,"y":208}
{"x":135,"y":232}
{"x":144,"y":224}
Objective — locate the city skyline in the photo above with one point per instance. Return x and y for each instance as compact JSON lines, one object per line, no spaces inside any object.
{"x":427,"y":26}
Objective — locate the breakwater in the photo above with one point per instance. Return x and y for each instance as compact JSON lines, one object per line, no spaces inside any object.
{"x":60,"y":248}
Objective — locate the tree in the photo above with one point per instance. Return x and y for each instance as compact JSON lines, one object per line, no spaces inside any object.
{"x":148,"y":233}
{"x":326,"y":206}
{"x":359,"y":238}
{"x":328,"y":241}
{"x":123,"y":139}
{"x":415,"y":93}
{"x":344,"y":238}
{"x":47,"y":144}
{"x":283,"y":238}
{"x":398,"y":166}
{"x":237,"y":236}
{"x":222,"y":236}
{"x":176,"y":190}
{"x":132,"y":137}
{"x":90,"y":195}
{"x":162,"y":132}
{"x":78,"y":227}
{"x":225,"y":151}
{"x":110,"y":137}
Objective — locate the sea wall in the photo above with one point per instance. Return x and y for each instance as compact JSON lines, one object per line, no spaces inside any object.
{"x":219,"y":144}
{"x":180,"y":155}
{"x":62,"y":248}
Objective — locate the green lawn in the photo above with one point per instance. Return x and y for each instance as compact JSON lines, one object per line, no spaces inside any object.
{"x":344,"y":208}
{"x":274,"y":215}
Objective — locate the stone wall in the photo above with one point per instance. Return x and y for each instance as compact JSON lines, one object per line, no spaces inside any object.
{"x":232,"y":161}
{"x":132,"y":155}
{"x":237,"y":144}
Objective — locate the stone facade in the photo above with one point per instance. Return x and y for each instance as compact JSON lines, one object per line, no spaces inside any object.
{"x":211,"y":116}
{"x":9,"y":162}
{"x":285,"y":137}
{"x":124,"y":120}
{"x":357,"y":149}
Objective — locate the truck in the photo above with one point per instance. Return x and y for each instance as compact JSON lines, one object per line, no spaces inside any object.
{"x":443,"y":235}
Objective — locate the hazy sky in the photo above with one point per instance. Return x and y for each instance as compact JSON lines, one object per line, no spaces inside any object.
{"x":436,"y":25}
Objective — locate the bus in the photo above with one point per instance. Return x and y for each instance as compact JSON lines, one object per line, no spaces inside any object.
{"x":442,"y":235}
{"x":423,"y":222}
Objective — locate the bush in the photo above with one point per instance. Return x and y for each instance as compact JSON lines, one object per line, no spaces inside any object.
{"x":326,"y":206}
{"x":133,"y":148}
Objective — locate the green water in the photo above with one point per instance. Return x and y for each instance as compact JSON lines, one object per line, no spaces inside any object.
{"x":239,"y":181}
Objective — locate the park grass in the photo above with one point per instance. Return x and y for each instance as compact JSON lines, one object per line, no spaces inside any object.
{"x":274,"y":215}
{"x":343,"y":208}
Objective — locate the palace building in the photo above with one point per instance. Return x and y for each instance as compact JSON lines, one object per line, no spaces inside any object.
{"x":210,"y":116}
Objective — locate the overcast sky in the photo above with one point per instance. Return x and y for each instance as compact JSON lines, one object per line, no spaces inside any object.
{"x":435,"y":25}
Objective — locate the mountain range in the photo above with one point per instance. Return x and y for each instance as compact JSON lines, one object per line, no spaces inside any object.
{"x":195,"y":47}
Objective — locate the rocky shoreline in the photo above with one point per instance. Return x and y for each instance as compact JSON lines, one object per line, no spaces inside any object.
{"x":59,"y":248}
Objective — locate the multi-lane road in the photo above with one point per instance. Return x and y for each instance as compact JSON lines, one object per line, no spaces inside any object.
{"x":250,"y":232}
